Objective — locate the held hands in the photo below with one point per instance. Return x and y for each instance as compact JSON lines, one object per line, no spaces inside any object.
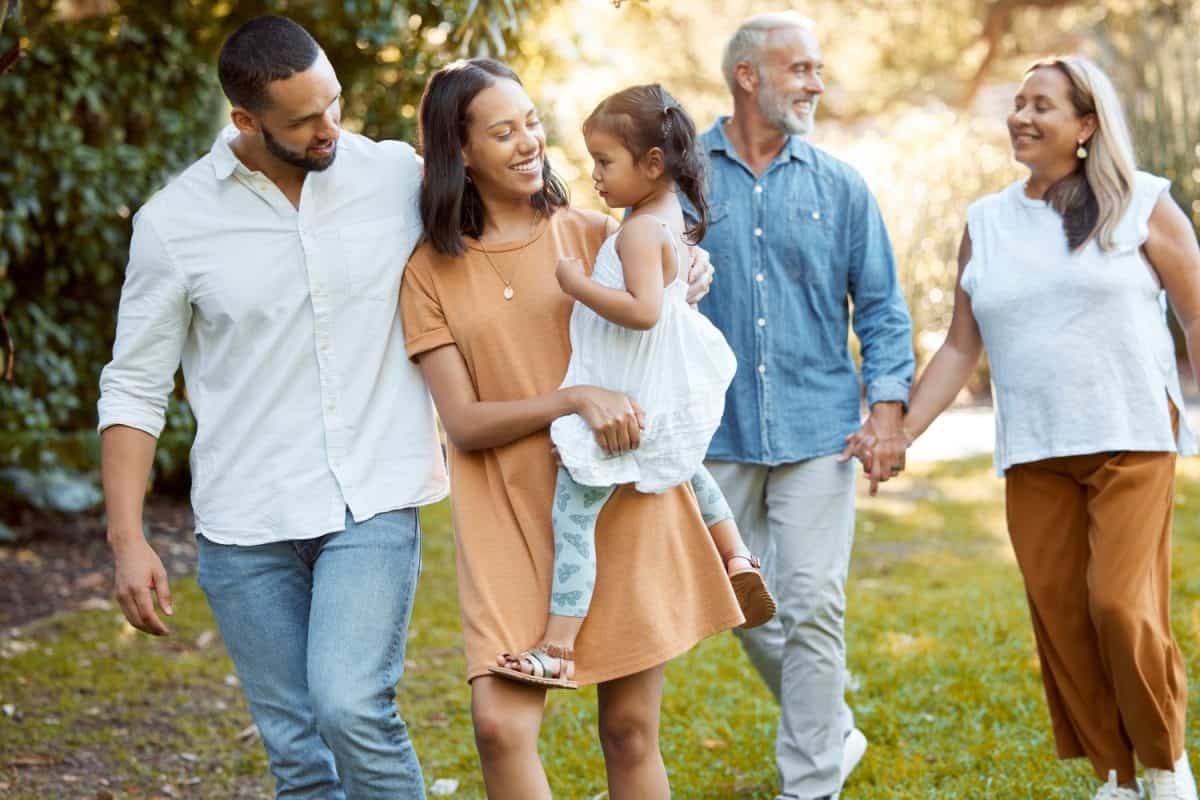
{"x":570,"y":273}
{"x":615,"y":419}
{"x":880,"y":444}
{"x":140,"y":579}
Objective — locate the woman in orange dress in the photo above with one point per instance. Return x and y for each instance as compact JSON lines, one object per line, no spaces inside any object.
{"x":487,"y":323}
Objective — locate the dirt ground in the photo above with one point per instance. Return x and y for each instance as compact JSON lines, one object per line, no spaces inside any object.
{"x":63,"y":562}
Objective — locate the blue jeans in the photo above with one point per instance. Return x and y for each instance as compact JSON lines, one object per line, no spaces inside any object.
{"x":316,"y":629}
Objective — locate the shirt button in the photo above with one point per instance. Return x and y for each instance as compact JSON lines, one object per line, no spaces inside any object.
{"x":816,"y":215}
{"x":758,"y":231}
{"x":759,"y":277}
{"x":762,"y":323}
{"x":758,"y":190}
{"x":762,"y":368}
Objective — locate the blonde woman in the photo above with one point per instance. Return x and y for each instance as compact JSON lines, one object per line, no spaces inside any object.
{"x":1061,"y":278}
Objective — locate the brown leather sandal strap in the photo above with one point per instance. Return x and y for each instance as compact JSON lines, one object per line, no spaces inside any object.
{"x":558,"y":651}
{"x":753,"y":560}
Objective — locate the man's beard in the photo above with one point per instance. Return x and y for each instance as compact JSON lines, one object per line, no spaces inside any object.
{"x":779,"y":112}
{"x":298,"y":160}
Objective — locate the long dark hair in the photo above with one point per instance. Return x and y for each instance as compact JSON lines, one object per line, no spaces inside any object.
{"x":647,"y":116}
{"x":451,"y":207}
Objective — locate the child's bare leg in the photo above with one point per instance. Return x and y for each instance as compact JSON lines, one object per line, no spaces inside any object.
{"x":733,"y":550}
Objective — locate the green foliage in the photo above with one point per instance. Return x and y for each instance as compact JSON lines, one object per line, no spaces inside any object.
{"x":103,"y":110}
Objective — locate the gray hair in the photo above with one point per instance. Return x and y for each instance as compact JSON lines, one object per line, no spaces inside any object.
{"x":750,"y":37}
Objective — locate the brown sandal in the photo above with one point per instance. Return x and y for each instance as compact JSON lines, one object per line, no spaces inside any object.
{"x":753,"y":596}
{"x":551,"y":674}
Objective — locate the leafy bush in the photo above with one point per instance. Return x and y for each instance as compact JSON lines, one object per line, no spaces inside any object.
{"x":103,"y":109}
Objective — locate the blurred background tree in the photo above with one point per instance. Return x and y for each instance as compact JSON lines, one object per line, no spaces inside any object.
{"x":114,"y":97}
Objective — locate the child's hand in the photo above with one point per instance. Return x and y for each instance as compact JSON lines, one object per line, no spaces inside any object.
{"x":570,"y":273}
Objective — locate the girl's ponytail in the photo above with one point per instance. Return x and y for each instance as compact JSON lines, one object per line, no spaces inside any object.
{"x":685,"y":163}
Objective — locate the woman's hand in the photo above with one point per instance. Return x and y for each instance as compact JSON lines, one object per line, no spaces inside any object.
{"x":570,"y":273}
{"x":615,"y":419}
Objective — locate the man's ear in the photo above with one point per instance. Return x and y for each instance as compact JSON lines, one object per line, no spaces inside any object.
{"x":244,"y":121}
{"x":746,"y":76}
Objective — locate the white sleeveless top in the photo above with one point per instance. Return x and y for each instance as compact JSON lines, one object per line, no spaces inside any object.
{"x":677,"y":371}
{"x":1081,"y":357}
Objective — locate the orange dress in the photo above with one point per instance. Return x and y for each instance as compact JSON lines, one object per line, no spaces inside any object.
{"x":660,"y":584}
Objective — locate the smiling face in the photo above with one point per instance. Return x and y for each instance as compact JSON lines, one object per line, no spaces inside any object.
{"x":301,"y":122}
{"x":505,"y":150}
{"x":789,"y":79}
{"x":1045,"y":128}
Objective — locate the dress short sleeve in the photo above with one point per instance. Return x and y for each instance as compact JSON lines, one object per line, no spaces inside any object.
{"x":421,"y":310}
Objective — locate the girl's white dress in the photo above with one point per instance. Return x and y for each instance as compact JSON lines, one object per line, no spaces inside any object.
{"x":678,"y":372}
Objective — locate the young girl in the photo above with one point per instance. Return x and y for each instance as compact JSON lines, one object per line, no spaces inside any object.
{"x":632,"y":331}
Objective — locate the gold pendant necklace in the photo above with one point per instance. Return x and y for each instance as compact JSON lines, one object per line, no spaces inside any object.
{"x":508,"y":289}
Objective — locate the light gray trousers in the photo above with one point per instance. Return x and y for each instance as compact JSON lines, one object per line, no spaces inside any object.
{"x":799,"y":519}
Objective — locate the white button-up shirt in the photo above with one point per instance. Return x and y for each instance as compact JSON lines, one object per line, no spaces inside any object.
{"x":287,"y":324}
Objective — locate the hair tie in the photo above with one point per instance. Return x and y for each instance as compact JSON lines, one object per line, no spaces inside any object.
{"x":667,"y":122}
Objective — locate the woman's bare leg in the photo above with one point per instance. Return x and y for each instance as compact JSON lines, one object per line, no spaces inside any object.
{"x":507,"y":717}
{"x":629,"y":720}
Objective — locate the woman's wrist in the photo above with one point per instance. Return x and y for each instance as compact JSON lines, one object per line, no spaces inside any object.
{"x":572,"y":400}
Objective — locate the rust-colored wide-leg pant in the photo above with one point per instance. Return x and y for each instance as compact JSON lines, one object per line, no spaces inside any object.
{"x":1092,"y":535}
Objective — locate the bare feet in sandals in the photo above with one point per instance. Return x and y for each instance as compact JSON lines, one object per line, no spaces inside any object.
{"x":547,"y":665}
{"x":753,"y":596}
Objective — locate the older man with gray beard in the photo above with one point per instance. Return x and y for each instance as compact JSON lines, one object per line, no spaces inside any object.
{"x":798,"y":238}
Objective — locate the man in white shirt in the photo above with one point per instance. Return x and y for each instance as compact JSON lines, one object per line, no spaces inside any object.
{"x":271,"y":269}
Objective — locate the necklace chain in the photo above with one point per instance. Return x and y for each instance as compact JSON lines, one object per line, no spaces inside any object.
{"x":508,"y":289}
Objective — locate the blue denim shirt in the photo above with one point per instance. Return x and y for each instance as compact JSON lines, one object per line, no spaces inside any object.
{"x":793,"y":248}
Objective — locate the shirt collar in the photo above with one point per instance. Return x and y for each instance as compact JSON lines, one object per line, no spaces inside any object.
{"x":225,"y":163}
{"x":717,"y":142}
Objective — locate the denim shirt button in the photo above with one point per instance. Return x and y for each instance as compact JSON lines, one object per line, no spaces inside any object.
{"x":816,"y":215}
{"x":758,"y":189}
{"x":759,"y":277}
{"x":762,"y":368}
{"x":762,"y":323}
{"x":758,"y":231}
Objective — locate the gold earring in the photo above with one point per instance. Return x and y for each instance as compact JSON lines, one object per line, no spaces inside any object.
{"x":1081,"y":152}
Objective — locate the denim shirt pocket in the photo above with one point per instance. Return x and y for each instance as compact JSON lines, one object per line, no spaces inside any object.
{"x":717,"y":212}
{"x":809,"y":238}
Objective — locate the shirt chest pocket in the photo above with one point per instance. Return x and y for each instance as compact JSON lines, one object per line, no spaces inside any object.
{"x":372,"y":256}
{"x":808,"y":239}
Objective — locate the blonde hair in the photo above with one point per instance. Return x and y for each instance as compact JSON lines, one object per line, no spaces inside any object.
{"x":1092,"y":200}
{"x":748,"y":40}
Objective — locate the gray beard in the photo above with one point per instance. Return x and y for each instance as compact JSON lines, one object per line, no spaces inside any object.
{"x":779,"y":113}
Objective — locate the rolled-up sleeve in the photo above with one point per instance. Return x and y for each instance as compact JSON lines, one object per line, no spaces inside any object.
{"x":881,"y":319}
{"x":152,"y":325}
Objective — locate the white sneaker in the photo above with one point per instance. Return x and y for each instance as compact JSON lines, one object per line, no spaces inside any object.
{"x":852,"y":752}
{"x":1115,"y":791}
{"x":1167,"y":785}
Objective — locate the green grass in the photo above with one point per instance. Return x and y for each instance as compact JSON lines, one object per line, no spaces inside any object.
{"x":947,"y":685}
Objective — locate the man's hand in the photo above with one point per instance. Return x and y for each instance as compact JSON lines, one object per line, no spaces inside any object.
{"x":141,"y":579}
{"x":700,"y":275}
{"x":880,"y":444}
